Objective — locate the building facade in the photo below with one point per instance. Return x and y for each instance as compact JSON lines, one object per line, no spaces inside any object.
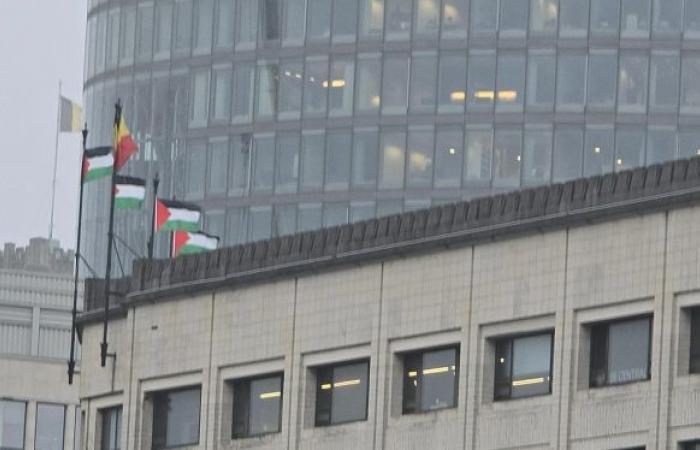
{"x":38,"y":409}
{"x":279,"y":116}
{"x":560,"y":317}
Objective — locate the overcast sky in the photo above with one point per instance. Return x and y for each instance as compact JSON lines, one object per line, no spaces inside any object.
{"x":41,"y":41}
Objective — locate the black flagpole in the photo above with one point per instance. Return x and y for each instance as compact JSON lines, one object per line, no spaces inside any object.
{"x":110,"y":236}
{"x":156,"y":182}
{"x":71,"y":361}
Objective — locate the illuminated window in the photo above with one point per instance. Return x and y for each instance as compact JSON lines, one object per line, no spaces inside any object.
{"x":341,"y":393}
{"x":620,"y":352}
{"x":257,"y":406}
{"x":523,"y":366}
{"x":430,"y":380}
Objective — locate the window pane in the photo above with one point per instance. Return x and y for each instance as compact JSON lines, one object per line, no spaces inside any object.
{"x":340,"y":87}
{"x":395,"y":85}
{"x":338,"y":160}
{"x":691,"y":19}
{"x":349,"y":393}
{"x":368,"y":83}
{"x":241,"y":409}
{"x":243,"y":89}
{"x":49,"y":426}
{"x":689,"y":144}
{"x":223,"y":35}
{"x":602,"y":80}
{"x":481,"y":79}
{"x":439,"y":380}
{"x":510,"y":82}
{"x":364,"y":159}
{"x":263,"y":164}
{"x":344,"y":20}
{"x":12,"y":417}
{"x":532,"y":358}
{"x":291,"y":80}
{"x":568,"y":143}
{"x":199,"y":104}
{"x":205,"y":17}
{"x":541,"y":81}
{"x":537,"y":157}
{"x":635,"y":18}
{"x":183,"y":27}
{"x":112,"y":51}
{"x":452,"y":82}
{"x":111,"y":428}
{"x":454,"y":19}
{"x":389,"y":207}
{"x":293,"y":21}
{"x":513,"y":21}
{"x":268,"y":77}
{"x":695,"y":341}
{"x":605,"y":17}
{"x":270,"y":20}
{"x":371,"y":18}
{"x":599,"y":151}
{"x":144,"y":43}
{"x":543,"y":16}
{"x":221,"y":94}
{"x":287,"y":163}
{"x":309,"y":216}
{"x":164,"y":20}
{"x":420,"y":158}
{"x":667,"y":17}
{"x":196,"y":169}
{"x":663,"y":89}
{"x":503,"y":369}
{"x":314,"y":89}
{"x":259,"y":223}
{"x":484,"y":16}
{"x":423,"y":74}
{"x":215,"y":223}
{"x":632,"y":91}
{"x":391,"y":162}
{"x":236,"y":226}
{"x":218,"y":166}
{"x":311,"y":177}
{"x":247,"y":25}
{"x":265,"y":405}
{"x":127,"y":36}
{"x":335,"y":214}
{"x":284,"y":221}
{"x":628,"y":351}
{"x":449,"y":154}
{"x":427,"y":17}
{"x":361,"y":211}
{"x":573,"y":18}
{"x":318,"y":27}
{"x":477,"y":161}
{"x":690,"y":88}
{"x":629,"y":148}
{"x":662,"y":145}
{"x":571,"y":82}
{"x":507,"y":155}
{"x":239,"y":171}
{"x":398,"y":19}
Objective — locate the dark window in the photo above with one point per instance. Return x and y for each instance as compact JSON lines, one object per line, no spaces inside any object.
{"x":620,"y":351}
{"x":176,"y":418}
{"x":695,"y":341}
{"x":12,"y":418}
{"x":341,"y":393}
{"x":523,"y":366}
{"x":693,"y":445}
{"x":257,"y":406}
{"x":111,"y":428}
{"x":430,"y":380}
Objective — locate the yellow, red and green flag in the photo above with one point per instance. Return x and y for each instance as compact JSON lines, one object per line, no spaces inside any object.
{"x":124,"y":144}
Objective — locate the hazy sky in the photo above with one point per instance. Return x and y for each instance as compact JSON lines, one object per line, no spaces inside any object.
{"x":41,"y":41}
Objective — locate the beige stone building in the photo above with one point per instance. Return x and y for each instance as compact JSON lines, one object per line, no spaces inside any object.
{"x":38,"y":409}
{"x":559,"y":317}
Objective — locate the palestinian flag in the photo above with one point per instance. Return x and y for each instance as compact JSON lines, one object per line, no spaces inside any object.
{"x":187,"y":243}
{"x":172,"y":215}
{"x":129,"y":192}
{"x":124,"y":143}
{"x":97,"y":163}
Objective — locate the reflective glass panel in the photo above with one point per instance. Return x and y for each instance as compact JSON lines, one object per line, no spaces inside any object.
{"x":335,"y":214}
{"x":341,"y":393}
{"x":391,"y":159}
{"x":164,"y":20}
{"x":573,"y":18}
{"x":543,"y":16}
{"x":602,"y":80}
{"x":513,"y":20}
{"x":395,"y":84}
{"x":144,"y":42}
{"x":541,"y":81}
{"x":398,"y":19}
{"x":290,"y":85}
{"x":599,"y":151}
{"x":484,"y":16}
{"x":420,"y":158}
{"x":259,"y":223}
{"x":364,"y":159}
{"x":571,"y":81}
{"x":50,"y":420}
{"x":310,"y":216}
{"x":481,"y":81}
{"x":507,"y":156}
{"x":605,"y":17}
{"x":316,"y":75}
{"x":196,"y":170}
{"x":236,"y":226}
{"x":628,"y":351}
{"x":344,"y":20}
{"x":247,"y":25}
{"x":368,"y":84}
{"x":510,"y":82}
{"x":340,"y":87}
{"x":452,"y":82}
{"x":632,"y":84}
{"x":318,"y":27}
{"x":430,"y":380}
{"x":287,"y":163}
{"x":695,"y":346}
{"x":12,"y":421}
{"x":532,"y":365}
{"x":204,"y":25}
{"x":689,"y":143}
{"x":662,"y":145}
{"x":477,"y":160}
{"x":338,"y":151}
{"x":127,"y":35}
{"x":690,"y":86}
{"x":311,"y":170}
{"x":221,"y":94}
{"x":691,"y":19}
{"x":454,"y":19}
{"x":183,"y":27}
{"x":257,"y":406}
{"x":111,"y":428}
{"x":268,"y":79}
{"x":199,"y":103}
{"x":423,"y":82}
{"x":294,"y":18}
{"x":284,"y":220}
{"x":427,"y":18}
{"x":629,"y":148}
{"x":667,"y":17}
{"x":568,"y":144}
{"x":663,"y":82}
{"x":239,"y":169}
{"x":263,"y":164}
{"x":218,"y":167}
{"x":449,"y":155}
{"x":223,"y":35}
{"x":243,"y":88}
{"x":635,"y":18}
{"x":371,"y":19}
{"x":537,"y":157}
{"x":270,"y":12}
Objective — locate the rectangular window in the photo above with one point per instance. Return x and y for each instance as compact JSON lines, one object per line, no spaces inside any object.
{"x":573,"y":18}
{"x":367,"y":99}
{"x":222,"y":80}
{"x":484,"y":16}
{"x":50,"y":421}
{"x":635,"y":18}
{"x":398,"y":19}
{"x":419,"y":173}
{"x":481,"y":81}
{"x":694,"y":445}
{"x":689,"y":143}
{"x":452,"y":82}
{"x":605,"y":17}
{"x":236,"y":225}
{"x":239,"y":169}
{"x":507,"y":157}
{"x":449,"y":154}
{"x":335,"y":213}
{"x":127,"y":35}
{"x":344,"y":20}
{"x":427,"y":18}
{"x":430,"y":380}
{"x":695,"y":340}
{"x":196,"y":170}
{"x":454,"y":19}
{"x":263,"y":164}
{"x":568,"y":144}
{"x":341,"y":393}
{"x":540,"y":81}
{"x":183,"y":27}
{"x":257,"y":406}
{"x":620,"y":352}
{"x":423,"y":82}
{"x":629,"y":148}
{"x":247,"y":24}
{"x":523,"y":366}
{"x":223,"y":34}
{"x":360,"y":211}
{"x":270,"y":16}
{"x":215,"y":222}
{"x":176,"y":418}
{"x":268,"y":85}
{"x":312,"y":158}
{"x":112,"y":52}
{"x":310,"y":216}
{"x":599,"y":151}
{"x":290,"y":85}
{"x":164,"y":21}
{"x":543,"y":16}
{"x":477,"y":160}
{"x":204,"y":22}
{"x":243,"y":88}
{"x":392,"y":158}
{"x":571,"y":82}
{"x":537,"y":157}
{"x":315,"y":93}
{"x":365,"y":148}
{"x":662,"y":145}
{"x":338,"y":150}
{"x":690,"y":90}
{"x":667,"y":17}
{"x":395,"y":84}
{"x":318,"y":25}
{"x":663,"y":82}
{"x":217,"y":167}
{"x":340,"y":87}
{"x":513,"y":18}
{"x":510,"y":82}
{"x":287,"y":163}
{"x":691,"y":19}
{"x":144,"y":43}
{"x":371,"y":19}
{"x":12,"y":419}
{"x":259,"y":223}
{"x":110,"y":433}
{"x":284,"y":220}
{"x":294,"y":20}
{"x":602,"y":80}
{"x":199,"y":104}
{"x":632,"y":83}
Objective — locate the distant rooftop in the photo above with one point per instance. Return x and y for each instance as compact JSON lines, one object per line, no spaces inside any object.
{"x":41,"y":255}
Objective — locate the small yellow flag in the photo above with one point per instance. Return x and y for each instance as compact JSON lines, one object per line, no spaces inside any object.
{"x":71,"y":116}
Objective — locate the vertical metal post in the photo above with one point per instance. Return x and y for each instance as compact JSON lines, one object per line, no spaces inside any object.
{"x":55,"y":161}
{"x":156,"y":182}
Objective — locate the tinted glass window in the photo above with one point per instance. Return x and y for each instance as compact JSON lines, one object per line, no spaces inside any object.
{"x":395,"y":84}
{"x":537,"y":157}
{"x":294,"y":16}
{"x":632,"y":83}
{"x":605,"y":17}
{"x":695,"y":340}
{"x":620,"y":352}
{"x":481,"y":80}
{"x":314,"y":92}
{"x":111,"y":428}
{"x":338,"y":160}
{"x":183,"y":27}
{"x":287,"y":163}
{"x":12,"y":417}
{"x":218,"y":167}
{"x":477,"y":158}
{"x":223,"y":35}
{"x":420,"y":158}
{"x":599,"y":151}
{"x":222,"y":80}
{"x":484,"y":16}
{"x":196,"y":170}
{"x":430,"y":380}
{"x":398,"y":19}
{"x":635,"y":18}
{"x":162,"y":39}
{"x":205,"y":18}
{"x":144,"y":43}
{"x":259,"y":223}
{"x":247,"y":25}
{"x":368,"y":84}
{"x":270,"y":12}
{"x":176,"y":418}
{"x":602,"y":80}
{"x":311,"y":170}
{"x":573,"y":17}
{"x":371,"y":18}
{"x":239,"y":169}
{"x":663,"y":82}
{"x":543,"y":16}
{"x":268,"y":79}
{"x":427,"y":18}
{"x":49,"y":426}
{"x":690,"y":90}
{"x":449,"y":154}
{"x":452,"y":82}
{"x":540,"y":81}
{"x":454,"y":19}
{"x":423,"y":82}
{"x":199,"y":103}
{"x":507,"y":156}
{"x":513,"y":20}
{"x":662,"y":145}
{"x":243,"y":88}
{"x":344,"y":20}
{"x":568,"y":143}
{"x":341,"y":394}
{"x":291,"y":81}
{"x":691,"y":19}
{"x":391,"y":159}
{"x":523,"y":366}
{"x":340,"y":87}
{"x":571,"y":81}
{"x":284,"y":220}
{"x":364,"y":159}
{"x":310,"y":216}
{"x":667,"y":17}
{"x":510,"y":82}
{"x":263,"y":164}
{"x":629,"y":148}
{"x":257,"y":406}
{"x":318,"y":26}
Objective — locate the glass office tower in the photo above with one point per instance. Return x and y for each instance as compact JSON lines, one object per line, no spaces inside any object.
{"x":284,"y":115}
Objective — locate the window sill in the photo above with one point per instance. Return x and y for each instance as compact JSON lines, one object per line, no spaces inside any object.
{"x":542,"y":400}
{"x":630,"y":389}
{"x":423,"y":417}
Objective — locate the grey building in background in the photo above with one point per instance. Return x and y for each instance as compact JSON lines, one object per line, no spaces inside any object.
{"x":279,"y":116}
{"x":38,"y":408}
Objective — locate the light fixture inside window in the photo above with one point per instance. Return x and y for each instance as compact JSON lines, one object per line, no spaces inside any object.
{"x":507,"y":96}
{"x":619,"y":161}
{"x":375,"y":100}
{"x":334,"y":83}
{"x":596,"y":149}
{"x":457,"y":96}
{"x":484,"y":95}
{"x":518,"y":158}
{"x":697,"y":152}
{"x":269,"y":395}
{"x":451,"y":150}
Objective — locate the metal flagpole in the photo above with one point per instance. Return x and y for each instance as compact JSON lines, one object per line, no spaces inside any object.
{"x":71,"y":361}
{"x":110,"y":232}
{"x":156,"y":182}
{"x":55,"y":160}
